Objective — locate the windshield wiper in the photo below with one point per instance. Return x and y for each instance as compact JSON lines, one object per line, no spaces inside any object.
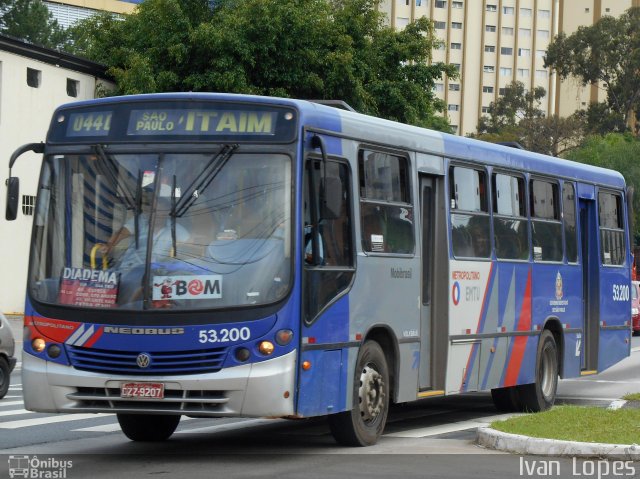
{"x":109,"y":170}
{"x":209,"y":173}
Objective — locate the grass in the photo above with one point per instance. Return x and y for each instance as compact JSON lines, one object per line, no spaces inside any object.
{"x":575,"y":423}
{"x":632,"y":397}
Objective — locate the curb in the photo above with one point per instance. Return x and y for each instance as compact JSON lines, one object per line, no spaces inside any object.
{"x":502,"y":441}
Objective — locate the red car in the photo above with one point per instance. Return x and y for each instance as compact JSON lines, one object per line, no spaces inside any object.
{"x":635,"y":307}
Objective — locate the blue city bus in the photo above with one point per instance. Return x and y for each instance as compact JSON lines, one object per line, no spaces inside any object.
{"x":214,"y":255}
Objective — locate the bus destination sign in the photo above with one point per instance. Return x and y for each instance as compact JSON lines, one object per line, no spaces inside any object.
{"x":201,"y":122}
{"x":180,"y":121}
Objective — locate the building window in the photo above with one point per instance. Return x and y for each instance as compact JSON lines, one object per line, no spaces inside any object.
{"x":457,"y":5}
{"x":453,"y":107}
{"x":440,"y":25}
{"x":489,"y":48}
{"x":502,"y":91}
{"x":456,"y":25}
{"x":505,"y":72}
{"x":541,"y":74}
{"x":456,"y":66}
{"x":72,"y":87}
{"x":402,"y":22}
{"x":28,"y":203}
{"x":485,"y":109}
{"x":489,"y":69}
{"x":506,"y":51}
{"x":523,"y":72}
{"x":507,"y":30}
{"x":543,"y":33}
{"x":525,"y":32}
{"x":454,"y":128}
{"x":540,"y":53}
{"x":438,"y":87}
{"x":487,"y":89}
{"x":544,"y":13}
{"x":492,"y":8}
{"x":586,"y":10}
{"x":456,"y":46}
{"x":524,"y":52}
{"x":525,"y":12}
{"x":441,"y":4}
{"x":454,"y":86}
{"x":490,"y":28}
{"x":34,"y":78}
{"x":507,"y":10}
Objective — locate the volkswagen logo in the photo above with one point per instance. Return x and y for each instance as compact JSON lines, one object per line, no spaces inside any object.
{"x":143,"y":360}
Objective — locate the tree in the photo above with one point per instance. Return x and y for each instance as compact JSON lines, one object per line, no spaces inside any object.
{"x":619,"y":152}
{"x":607,"y":52}
{"x":516,"y":116}
{"x":31,"y":20}
{"x":313,"y":49}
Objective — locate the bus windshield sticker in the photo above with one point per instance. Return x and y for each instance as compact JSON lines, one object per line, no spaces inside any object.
{"x":187,"y":287}
{"x":88,"y":287}
{"x":184,"y":122}
{"x":377,"y":243}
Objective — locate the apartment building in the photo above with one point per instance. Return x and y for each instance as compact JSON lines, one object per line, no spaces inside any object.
{"x":68,"y":12}
{"x":494,"y":42}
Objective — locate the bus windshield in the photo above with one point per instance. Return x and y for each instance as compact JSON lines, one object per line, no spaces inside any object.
{"x":169,"y":230}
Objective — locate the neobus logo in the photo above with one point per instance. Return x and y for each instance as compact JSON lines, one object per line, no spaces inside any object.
{"x":161,"y":331}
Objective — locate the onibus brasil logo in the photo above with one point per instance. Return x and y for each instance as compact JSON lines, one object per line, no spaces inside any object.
{"x":34,"y":468}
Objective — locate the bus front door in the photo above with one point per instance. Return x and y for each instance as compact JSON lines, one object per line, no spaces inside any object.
{"x":433,"y":324}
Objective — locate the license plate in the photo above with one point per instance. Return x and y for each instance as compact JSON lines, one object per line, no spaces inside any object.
{"x":142,"y":390}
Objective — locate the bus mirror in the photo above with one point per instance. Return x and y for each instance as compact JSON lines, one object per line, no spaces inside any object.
{"x":332,"y":200}
{"x":13,"y":194}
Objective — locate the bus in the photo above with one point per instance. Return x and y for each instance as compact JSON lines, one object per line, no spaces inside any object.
{"x":214,"y":255}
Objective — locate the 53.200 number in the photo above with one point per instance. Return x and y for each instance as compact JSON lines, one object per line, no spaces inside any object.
{"x":224,"y":335}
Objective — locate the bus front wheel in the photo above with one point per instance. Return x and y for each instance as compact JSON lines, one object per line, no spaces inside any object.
{"x":364,"y":423}
{"x":541,"y":395}
{"x":148,"y":427}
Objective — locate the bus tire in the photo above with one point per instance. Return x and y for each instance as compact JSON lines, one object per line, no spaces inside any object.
{"x":148,"y":427}
{"x":364,"y":423}
{"x":506,"y":399}
{"x":541,"y":395}
{"x":5,"y":377}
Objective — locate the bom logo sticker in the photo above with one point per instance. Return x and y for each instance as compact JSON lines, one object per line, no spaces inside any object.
{"x":187,"y":287}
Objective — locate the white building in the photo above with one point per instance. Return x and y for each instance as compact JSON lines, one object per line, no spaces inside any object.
{"x":33,"y":82}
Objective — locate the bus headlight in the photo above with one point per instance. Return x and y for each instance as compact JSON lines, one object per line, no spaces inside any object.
{"x":38,"y":345}
{"x":54,"y":351}
{"x":266,"y":347}
{"x":284,"y":337}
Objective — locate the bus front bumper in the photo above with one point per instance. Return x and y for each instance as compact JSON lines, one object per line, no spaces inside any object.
{"x":264,"y":389}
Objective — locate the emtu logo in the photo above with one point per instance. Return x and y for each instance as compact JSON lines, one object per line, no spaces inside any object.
{"x":455,"y":293}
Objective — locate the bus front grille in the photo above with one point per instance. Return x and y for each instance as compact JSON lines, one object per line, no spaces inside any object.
{"x":192,"y":402}
{"x":164,"y":363}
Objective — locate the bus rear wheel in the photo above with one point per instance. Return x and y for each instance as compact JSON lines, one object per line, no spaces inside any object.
{"x":148,"y":427}
{"x":363,"y":425}
{"x":541,"y":395}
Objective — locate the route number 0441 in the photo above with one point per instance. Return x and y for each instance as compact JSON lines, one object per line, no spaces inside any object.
{"x":224,"y":335}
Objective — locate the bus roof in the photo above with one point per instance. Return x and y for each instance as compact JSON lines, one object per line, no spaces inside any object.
{"x":380,"y":131}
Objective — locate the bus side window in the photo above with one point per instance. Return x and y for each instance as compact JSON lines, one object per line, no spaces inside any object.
{"x":510,"y":224}
{"x":546,"y":227}
{"x":612,"y":242}
{"x":470,"y":233}
{"x":569,"y":218}
{"x":385,"y":203}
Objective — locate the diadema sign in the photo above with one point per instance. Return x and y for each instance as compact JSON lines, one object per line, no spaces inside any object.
{"x":88,"y":287}
{"x":187,"y":287}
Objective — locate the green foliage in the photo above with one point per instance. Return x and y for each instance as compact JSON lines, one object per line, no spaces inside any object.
{"x":517,"y":116}
{"x":606,"y":52}
{"x":619,"y":152}
{"x":313,"y":49}
{"x":31,"y":20}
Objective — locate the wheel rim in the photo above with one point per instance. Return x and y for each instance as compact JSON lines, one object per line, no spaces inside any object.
{"x":549,"y":372}
{"x":371,"y":394}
